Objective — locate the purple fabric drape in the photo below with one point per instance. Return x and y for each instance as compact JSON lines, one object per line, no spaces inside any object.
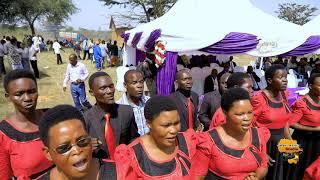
{"x":166,"y":74}
{"x":310,"y":45}
{"x":154,"y":35}
{"x":140,"y":56}
{"x":125,"y":36}
{"x":136,"y":39}
{"x":233,"y":43}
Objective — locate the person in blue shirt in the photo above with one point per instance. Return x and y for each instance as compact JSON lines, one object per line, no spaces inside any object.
{"x":97,"y":55}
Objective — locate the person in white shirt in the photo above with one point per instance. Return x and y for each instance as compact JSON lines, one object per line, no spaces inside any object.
{"x":33,"y":50}
{"x":77,"y":73}
{"x":2,"y":67}
{"x":56,"y":48}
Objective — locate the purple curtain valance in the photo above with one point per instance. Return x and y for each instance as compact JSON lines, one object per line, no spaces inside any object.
{"x":136,"y":39}
{"x":125,"y":37}
{"x":233,"y":43}
{"x":310,"y":45}
{"x":154,"y":35}
{"x":166,"y":74}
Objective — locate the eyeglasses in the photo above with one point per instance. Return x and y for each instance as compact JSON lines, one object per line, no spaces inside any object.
{"x":66,"y":148}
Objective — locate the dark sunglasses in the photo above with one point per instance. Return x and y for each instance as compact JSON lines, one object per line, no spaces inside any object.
{"x":66,"y":148}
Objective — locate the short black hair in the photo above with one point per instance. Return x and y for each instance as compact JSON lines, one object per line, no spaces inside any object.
{"x":131,"y":71}
{"x":232,"y":95}
{"x":272,"y":69}
{"x":180,"y":72}
{"x":17,"y":74}
{"x":237,"y":79}
{"x":95,"y":75}
{"x":313,"y":78}
{"x":158,"y":104}
{"x":56,"y":115}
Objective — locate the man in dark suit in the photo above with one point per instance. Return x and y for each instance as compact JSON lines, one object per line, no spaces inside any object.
{"x":184,"y":96}
{"x":121,"y":117}
{"x":211,"y":82}
{"x":211,"y":102}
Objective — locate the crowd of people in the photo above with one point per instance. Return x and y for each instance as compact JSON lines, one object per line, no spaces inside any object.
{"x":232,"y":133}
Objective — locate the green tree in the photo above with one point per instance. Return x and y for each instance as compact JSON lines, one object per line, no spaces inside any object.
{"x":29,"y":11}
{"x":296,"y":13}
{"x":150,"y":8}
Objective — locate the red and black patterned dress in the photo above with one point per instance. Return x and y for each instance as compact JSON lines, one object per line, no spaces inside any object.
{"x":135,"y":162}
{"x":275,"y":116}
{"x":215,"y":160}
{"x":307,"y":113}
{"x":21,"y":154}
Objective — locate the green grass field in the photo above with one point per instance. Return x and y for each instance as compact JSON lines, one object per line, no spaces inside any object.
{"x":50,"y":82}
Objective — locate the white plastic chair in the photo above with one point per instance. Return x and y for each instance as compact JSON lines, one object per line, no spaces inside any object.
{"x":198,"y":80}
{"x":239,"y":69}
{"x":214,"y":65}
{"x":179,"y":67}
{"x":292,"y":80}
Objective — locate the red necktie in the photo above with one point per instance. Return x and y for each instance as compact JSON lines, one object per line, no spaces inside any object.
{"x":109,"y":136}
{"x":190,"y":113}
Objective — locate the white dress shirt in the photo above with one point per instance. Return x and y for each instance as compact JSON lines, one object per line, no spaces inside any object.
{"x":56,"y":47}
{"x":33,"y":53}
{"x":79,"y":71}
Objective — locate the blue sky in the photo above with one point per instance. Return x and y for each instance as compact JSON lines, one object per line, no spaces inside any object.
{"x":94,"y":15}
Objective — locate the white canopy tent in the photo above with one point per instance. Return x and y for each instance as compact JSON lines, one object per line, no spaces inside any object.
{"x":191,"y":25}
{"x":313,"y":29}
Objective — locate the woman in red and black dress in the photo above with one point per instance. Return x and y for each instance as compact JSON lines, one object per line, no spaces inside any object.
{"x":271,"y":111}
{"x":21,"y":148}
{"x":237,"y":79}
{"x":69,"y":146}
{"x":163,"y":153}
{"x":306,"y":116}
{"x":313,"y":171}
{"x":234,"y":150}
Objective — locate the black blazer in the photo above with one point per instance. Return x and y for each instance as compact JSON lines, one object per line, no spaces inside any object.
{"x":211,"y":102}
{"x":208,"y":84}
{"x":182,"y":104}
{"x":122,"y":121}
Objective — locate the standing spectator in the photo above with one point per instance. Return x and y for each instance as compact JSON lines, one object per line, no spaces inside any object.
{"x":149,"y":70}
{"x":114,"y":54}
{"x":25,"y":56}
{"x":211,"y":82}
{"x":134,"y":84}
{"x":77,"y":73}
{"x":254,"y":77}
{"x":56,"y":47}
{"x":6,"y":45}
{"x":77,"y":49}
{"x":97,"y":55}
{"x":90,"y":46}
{"x":103,"y":48}
{"x":85,"y":48}
{"x":14,"y":55}
{"x":226,"y":67}
{"x":33,"y":50}
{"x":317,"y":68}
{"x":2,"y":52}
